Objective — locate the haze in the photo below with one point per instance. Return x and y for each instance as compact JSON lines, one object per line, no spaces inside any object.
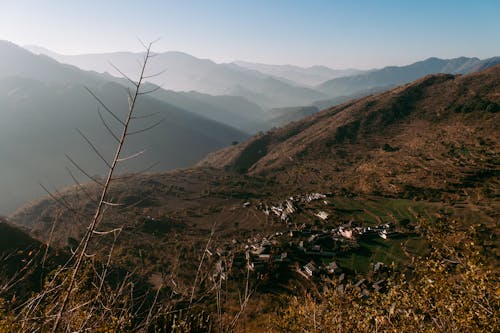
{"x":339,"y":34}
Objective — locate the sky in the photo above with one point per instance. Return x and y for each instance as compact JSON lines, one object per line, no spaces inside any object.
{"x":334,"y":33}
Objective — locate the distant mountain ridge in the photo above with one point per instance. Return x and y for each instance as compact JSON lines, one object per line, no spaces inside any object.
{"x":308,"y":76}
{"x":393,"y":75}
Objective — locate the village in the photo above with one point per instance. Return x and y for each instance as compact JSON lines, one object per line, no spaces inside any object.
{"x":308,"y":250}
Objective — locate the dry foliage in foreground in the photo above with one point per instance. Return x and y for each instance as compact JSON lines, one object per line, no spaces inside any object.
{"x":452,"y":289}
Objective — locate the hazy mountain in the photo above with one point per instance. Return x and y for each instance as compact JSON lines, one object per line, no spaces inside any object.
{"x":183,"y":72}
{"x":393,"y":75}
{"x":308,"y":76}
{"x":16,"y":61}
{"x":42,"y":103}
{"x":234,"y":111}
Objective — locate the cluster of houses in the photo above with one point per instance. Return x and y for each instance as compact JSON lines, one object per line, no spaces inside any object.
{"x":303,"y":249}
{"x":285,"y":209}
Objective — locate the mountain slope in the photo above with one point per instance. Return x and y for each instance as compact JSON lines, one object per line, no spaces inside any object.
{"x":42,"y":102}
{"x":392,"y":76}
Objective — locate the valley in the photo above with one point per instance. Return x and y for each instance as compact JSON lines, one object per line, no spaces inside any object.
{"x":261,"y":167}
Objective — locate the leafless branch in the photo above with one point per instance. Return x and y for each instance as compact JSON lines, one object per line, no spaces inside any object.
{"x":83,"y":171}
{"x":132,"y":175}
{"x":94,"y":148}
{"x":193,"y":289}
{"x":146,"y":116}
{"x":131,"y":156}
{"x":155,"y":75}
{"x":135,"y":84}
{"x":110,"y":131}
{"x":105,"y":106}
{"x":113,"y":204}
{"x":80,"y":186}
{"x":60,"y":201}
{"x":147,"y":92}
{"x":147,"y":128}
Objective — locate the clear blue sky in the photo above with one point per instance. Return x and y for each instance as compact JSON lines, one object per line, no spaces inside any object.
{"x":340,"y":34}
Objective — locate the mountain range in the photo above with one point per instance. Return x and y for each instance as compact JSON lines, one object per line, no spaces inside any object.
{"x":183,"y":72}
{"x":307,"y":76}
{"x":271,"y":86}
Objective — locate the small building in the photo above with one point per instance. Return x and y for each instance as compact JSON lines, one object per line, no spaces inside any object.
{"x":346,"y":233}
{"x":322,"y":215}
{"x":333,"y":268}
{"x":378,"y":266}
{"x":360,"y":283}
{"x":310,"y":268}
{"x":264,"y":256}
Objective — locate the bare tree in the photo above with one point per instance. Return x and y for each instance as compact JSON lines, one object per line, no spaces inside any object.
{"x":104,"y":201}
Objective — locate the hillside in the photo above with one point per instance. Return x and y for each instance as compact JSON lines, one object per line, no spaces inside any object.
{"x":429,"y":138}
{"x":21,"y":259}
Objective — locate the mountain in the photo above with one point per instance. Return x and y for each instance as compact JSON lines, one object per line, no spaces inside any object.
{"x":183,"y":72}
{"x":42,"y":102}
{"x":307,"y":76}
{"x":403,"y":142}
{"x":17,"y":62}
{"x":234,"y":111}
{"x":393,"y":75}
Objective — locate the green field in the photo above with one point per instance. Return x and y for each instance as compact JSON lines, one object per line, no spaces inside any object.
{"x":373,"y":211}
